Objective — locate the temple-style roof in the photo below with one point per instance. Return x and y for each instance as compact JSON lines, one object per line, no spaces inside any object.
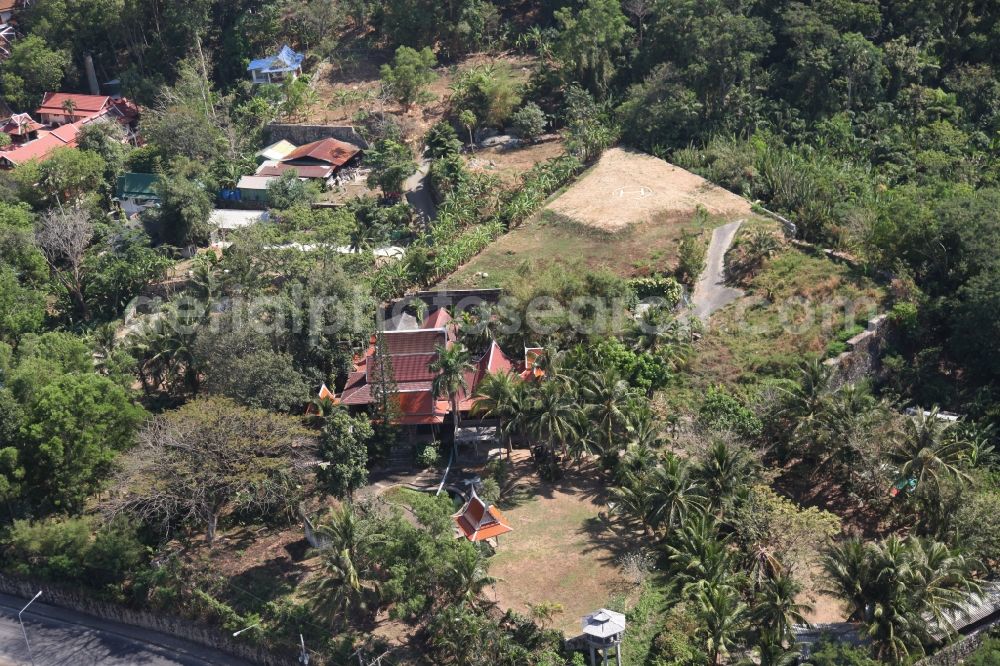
{"x":478,"y":521}
{"x":413,"y":351}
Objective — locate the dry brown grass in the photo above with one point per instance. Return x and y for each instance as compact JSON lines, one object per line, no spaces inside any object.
{"x":510,"y":165}
{"x":561,"y":550}
{"x":627,"y":187}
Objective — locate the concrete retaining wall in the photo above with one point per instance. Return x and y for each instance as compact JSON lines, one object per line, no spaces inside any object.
{"x":864,"y":350}
{"x":73,"y":599}
{"x":955,"y":653}
{"x":302,"y":134}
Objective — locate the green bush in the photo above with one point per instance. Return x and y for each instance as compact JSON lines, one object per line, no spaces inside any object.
{"x":690,"y":258}
{"x":829,"y":652}
{"x":528,"y":122}
{"x":722,"y":411}
{"x":657,"y":286}
{"x":429,"y":456}
{"x":988,"y":654}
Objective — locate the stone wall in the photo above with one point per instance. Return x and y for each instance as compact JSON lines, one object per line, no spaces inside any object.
{"x":864,"y":350}
{"x":73,"y":599}
{"x":955,"y":653}
{"x":302,"y":134}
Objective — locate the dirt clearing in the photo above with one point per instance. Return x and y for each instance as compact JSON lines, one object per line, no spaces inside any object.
{"x":627,"y":187}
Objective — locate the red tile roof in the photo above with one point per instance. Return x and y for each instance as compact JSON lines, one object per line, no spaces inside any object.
{"x":421,"y":341}
{"x":20,"y":124}
{"x":437,"y":319}
{"x":331,"y":151}
{"x":478,"y":521}
{"x":83,"y":104}
{"x":407,"y":367}
{"x":412,"y":352}
{"x":40,"y":149}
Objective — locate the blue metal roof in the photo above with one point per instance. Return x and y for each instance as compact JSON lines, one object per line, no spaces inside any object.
{"x":286,"y":60}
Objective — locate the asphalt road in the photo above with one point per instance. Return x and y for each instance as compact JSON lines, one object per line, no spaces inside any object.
{"x":417,"y":193}
{"x":68,"y":638}
{"x":711,"y":292}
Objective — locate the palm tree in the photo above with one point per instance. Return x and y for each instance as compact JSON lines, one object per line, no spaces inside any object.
{"x":556,"y":417}
{"x":776,"y":609}
{"x":497,"y":396}
{"x":696,"y":553}
{"x":723,"y":616}
{"x":69,"y":106}
{"x":469,"y":577}
{"x":901,"y":589}
{"x":805,"y":402}
{"x":847,"y":567}
{"x":772,"y":652}
{"x":607,"y":399}
{"x":927,"y":451}
{"x":451,"y":365}
{"x":343,"y":583}
{"x":672,"y":494}
{"x":725,"y":471}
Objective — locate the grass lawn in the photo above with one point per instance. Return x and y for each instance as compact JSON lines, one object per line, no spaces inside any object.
{"x":548,"y":239}
{"x":561,"y":549}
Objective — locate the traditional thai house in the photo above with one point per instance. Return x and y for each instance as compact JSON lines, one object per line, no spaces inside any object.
{"x":411,"y":352}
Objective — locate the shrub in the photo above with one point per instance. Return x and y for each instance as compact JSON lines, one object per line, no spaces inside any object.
{"x":829,"y":652}
{"x":528,"y":122}
{"x":429,"y":456}
{"x":657,"y":286}
{"x":690,"y":258}
{"x":722,"y":411}
{"x":490,"y":491}
{"x":988,"y":654}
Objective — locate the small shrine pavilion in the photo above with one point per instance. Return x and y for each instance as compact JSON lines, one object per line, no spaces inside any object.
{"x":479,"y":521}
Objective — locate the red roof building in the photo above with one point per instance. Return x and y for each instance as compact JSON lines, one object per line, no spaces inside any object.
{"x":325,"y":151}
{"x":412,"y":352}
{"x":479,"y":521}
{"x":55,"y":107}
{"x":62,"y":126}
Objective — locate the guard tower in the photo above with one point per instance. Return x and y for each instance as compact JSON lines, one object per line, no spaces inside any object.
{"x":603,"y":631}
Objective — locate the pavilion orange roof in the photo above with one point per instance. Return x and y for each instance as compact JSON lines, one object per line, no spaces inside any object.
{"x":478,"y":521}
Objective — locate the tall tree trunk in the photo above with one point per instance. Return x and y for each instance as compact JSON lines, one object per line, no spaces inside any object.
{"x":213,"y":523}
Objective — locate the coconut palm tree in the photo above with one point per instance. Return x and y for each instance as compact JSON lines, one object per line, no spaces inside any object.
{"x":607,"y":399}
{"x":725,"y":470}
{"x":344,"y":582}
{"x":497,"y":396}
{"x":632,"y":502}
{"x":469,"y":576}
{"x":848,"y":571}
{"x":928,"y":451}
{"x":451,"y":365}
{"x":69,"y":106}
{"x":805,"y":403}
{"x":672,"y":494}
{"x":776,"y":609}
{"x":771,"y":652}
{"x":696,"y":553}
{"x":901,"y":589}
{"x":723,"y":616}
{"x":556,"y":417}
